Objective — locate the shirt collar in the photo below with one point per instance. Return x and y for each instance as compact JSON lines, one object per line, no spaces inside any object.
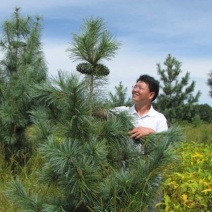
{"x":151,"y":112}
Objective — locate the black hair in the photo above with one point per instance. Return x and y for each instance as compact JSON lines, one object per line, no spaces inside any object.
{"x":153,"y":84}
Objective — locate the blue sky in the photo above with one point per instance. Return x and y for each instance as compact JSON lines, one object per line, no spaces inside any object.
{"x":149,"y":30}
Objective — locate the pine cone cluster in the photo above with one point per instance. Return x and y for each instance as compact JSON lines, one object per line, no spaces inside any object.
{"x":97,"y":70}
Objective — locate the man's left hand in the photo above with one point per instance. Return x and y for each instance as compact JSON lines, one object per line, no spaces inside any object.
{"x":139,"y":132}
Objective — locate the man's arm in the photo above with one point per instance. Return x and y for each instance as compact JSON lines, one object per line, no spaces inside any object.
{"x":139,"y":132}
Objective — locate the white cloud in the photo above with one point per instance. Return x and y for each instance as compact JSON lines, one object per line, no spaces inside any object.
{"x":56,"y":56}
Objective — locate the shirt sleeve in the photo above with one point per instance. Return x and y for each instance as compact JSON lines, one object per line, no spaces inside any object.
{"x":162,"y":124}
{"x":120,"y":109}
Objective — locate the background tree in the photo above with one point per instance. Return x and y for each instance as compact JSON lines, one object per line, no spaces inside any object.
{"x":92,"y":46}
{"x":210,"y":83}
{"x":177,"y":94}
{"x":120,"y":97}
{"x":22,"y":66}
{"x":204,"y":111}
{"x":21,"y":45}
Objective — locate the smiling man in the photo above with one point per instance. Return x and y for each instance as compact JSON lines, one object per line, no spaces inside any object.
{"x":145,"y":118}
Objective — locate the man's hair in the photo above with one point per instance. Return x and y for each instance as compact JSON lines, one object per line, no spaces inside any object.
{"x":153,"y":84}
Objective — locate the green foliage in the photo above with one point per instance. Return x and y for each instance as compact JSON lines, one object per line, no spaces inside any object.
{"x":188,"y":188}
{"x":20,"y":196}
{"x":204,"y":111}
{"x":119,"y":98}
{"x":22,"y":66}
{"x":21,"y":45}
{"x":196,"y":120}
{"x":91,"y":163}
{"x":26,"y":180}
{"x":94,"y":43}
{"x":209,"y":82}
{"x":87,"y":180}
{"x":64,"y":108}
{"x":92,"y":46}
{"x":81,"y":162}
{"x":177,"y":96}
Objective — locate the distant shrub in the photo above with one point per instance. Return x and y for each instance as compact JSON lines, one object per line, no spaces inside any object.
{"x":196,"y":120}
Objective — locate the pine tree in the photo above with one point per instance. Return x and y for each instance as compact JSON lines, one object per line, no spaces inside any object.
{"x":177,"y":96}
{"x":209,"y":82}
{"x":92,"y":46}
{"x":120,"y":97}
{"x":22,"y":66}
{"x":21,"y":45}
{"x":89,"y":164}
{"x":204,"y":111}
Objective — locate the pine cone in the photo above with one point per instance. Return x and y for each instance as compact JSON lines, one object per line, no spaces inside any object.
{"x":85,"y":68}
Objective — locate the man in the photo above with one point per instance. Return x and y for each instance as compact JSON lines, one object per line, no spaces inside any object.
{"x":145,"y":118}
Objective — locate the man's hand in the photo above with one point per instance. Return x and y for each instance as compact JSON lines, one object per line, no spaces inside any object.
{"x":139,"y":132}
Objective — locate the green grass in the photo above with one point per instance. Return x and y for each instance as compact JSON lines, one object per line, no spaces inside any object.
{"x":5,"y":176}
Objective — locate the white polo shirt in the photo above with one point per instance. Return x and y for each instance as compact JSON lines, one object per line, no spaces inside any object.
{"x":153,"y":119}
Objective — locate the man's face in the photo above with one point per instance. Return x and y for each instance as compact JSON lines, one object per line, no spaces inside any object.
{"x":141,"y":92}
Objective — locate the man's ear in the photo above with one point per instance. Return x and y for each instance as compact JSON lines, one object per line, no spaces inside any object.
{"x":152,"y":94}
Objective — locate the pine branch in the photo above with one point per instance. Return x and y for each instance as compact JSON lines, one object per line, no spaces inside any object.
{"x":22,"y":198}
